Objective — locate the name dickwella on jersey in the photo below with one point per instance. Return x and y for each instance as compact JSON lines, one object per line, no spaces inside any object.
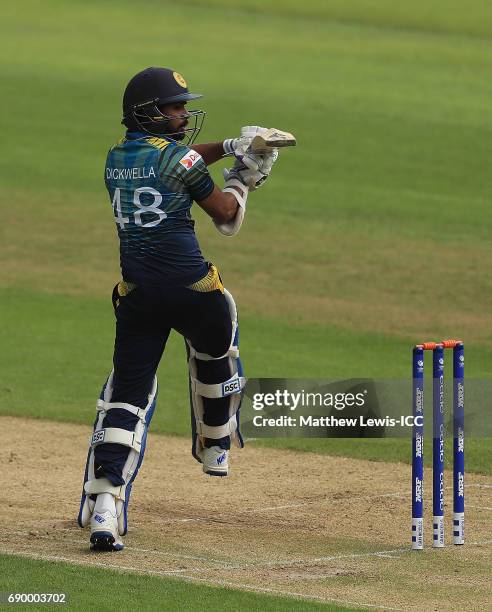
{"x":130,"y":173}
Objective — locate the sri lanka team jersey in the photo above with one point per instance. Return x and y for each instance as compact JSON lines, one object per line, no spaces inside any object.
{"x":152,"y":183}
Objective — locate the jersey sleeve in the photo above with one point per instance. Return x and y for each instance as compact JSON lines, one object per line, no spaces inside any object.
{"x":190,"y":169}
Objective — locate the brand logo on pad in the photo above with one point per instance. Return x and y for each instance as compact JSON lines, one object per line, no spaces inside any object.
{"x":221,"y":458}
{"x":231,"y":386}
{"x":98,"y":436}
{"x":99,"y":519}
{"x":190,"y":159}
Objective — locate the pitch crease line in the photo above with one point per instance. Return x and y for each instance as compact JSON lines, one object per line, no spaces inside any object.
{"x":399,"y":494}
{"x":323,"y":501}
{"x":230,"y":566}
{"x":224,"y":564}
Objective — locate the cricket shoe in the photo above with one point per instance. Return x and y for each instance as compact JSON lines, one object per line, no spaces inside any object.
{"x":104,"y":525}
{"x":215,"y":461}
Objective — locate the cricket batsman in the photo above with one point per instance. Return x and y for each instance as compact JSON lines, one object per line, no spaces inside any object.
{"x":153,"y":175}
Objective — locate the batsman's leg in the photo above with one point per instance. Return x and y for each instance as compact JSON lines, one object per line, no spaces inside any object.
{"x":216,"y":377}
{"x":124,"y":411}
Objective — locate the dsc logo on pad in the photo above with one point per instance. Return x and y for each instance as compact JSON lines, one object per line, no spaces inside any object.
{"x":231,"y":386}
{"x":98,"y":436}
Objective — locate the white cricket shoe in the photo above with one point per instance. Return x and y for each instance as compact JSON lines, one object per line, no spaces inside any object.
{"x":215,"y":461}
{"x":104,"y":525}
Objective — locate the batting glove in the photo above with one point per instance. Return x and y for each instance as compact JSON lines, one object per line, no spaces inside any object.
{"x":254,"y":169}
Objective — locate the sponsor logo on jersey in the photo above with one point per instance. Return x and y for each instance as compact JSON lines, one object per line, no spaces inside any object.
{"x":190,"y":159}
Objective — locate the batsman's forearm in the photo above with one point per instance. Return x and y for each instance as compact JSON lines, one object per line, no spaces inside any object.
{"x":210,"y":151}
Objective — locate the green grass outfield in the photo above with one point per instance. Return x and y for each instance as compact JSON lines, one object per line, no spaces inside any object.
{"x":372,"y":234}
{"x":108,"y":590}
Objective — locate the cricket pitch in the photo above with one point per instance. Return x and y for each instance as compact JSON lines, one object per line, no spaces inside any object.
{"x":288,"y":523}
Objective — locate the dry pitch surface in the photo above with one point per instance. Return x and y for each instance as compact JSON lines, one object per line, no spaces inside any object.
{"x":300,"y":524}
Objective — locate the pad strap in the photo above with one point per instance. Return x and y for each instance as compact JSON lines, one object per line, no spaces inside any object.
{"x":103,"y":485}
{"x":232,"y":352}
{"x":103,"y":406}
{"x":217,"y":431}
{"x":114,"y":435}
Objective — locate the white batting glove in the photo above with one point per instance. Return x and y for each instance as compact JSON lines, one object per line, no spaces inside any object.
{"x":254,"y":169}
